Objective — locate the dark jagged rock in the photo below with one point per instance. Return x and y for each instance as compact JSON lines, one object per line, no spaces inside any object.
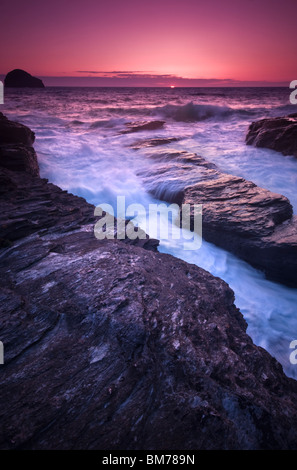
{"x":110,"y":346}
{"x":19,"y":158}
{"x":15,"y":133}
{"x":16,"y":151}
{"x":254,"y":223}
{"x":278,"y":134}
{"x":143,"y":126}
{"x":18,"y":78}
{"x":31,"y":205}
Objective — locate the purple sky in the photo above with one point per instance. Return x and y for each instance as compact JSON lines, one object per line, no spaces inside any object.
{"x":159,"y":43}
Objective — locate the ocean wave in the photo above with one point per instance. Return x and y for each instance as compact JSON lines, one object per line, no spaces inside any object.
{"x":128,"y":111}
{"x":284,"y":110}
{"x":191,"y":112}
{"x":171,"y":191}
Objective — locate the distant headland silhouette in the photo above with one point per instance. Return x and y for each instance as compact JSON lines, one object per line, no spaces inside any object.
{"x":18,"y":78}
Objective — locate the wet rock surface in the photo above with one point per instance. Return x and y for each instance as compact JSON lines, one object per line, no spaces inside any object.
{"x":109,"y":346}
{"x":278,"y":134}
{"x":254,"y":223}
{"x":112,"y":346}
{"x":143,"y":126}
{"x":31,"y":205}
{"x":146,"y":143}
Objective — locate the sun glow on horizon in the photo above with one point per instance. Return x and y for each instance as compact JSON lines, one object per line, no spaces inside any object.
{"x":223,"y":49}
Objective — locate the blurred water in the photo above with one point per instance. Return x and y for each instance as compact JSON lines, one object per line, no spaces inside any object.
{"x":80,"y":147}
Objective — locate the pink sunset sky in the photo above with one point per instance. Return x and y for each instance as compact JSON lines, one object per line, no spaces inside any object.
{"x":153,"y":43}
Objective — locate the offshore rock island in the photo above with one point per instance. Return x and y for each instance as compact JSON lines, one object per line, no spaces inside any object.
{"x":112,"y":345}
{"x":18,"y":78}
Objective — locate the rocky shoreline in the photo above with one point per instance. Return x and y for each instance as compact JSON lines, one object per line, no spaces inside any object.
{"x":251,"y":222}
{"x":109,"y":345}
{"x":278,"y":134}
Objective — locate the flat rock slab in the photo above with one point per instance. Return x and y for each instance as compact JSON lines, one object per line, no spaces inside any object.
{"x":278,"y":134}
{"x":158,"y":141}
{"x":254,"y":223}
{"x":143,"y":126}
{"x":109,"y":346}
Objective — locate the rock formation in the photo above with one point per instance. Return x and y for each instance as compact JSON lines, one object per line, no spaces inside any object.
{"x":278,"y":134}
{"x":18,"y":78}
{"x":15,"y":133}
{"x":253,"y":223}
{"x":112,"y":346}
{"x":146,"y":143}
{"x":16,"y":151}
{"x":143,"y":126}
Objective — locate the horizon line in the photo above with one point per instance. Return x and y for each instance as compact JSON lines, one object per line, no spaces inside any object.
{"x":137,"y":80}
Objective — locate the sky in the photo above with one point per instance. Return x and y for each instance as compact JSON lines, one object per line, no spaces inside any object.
{"x":153,"y":43}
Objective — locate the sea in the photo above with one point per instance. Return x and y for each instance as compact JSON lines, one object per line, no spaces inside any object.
{"x":81,"y":147}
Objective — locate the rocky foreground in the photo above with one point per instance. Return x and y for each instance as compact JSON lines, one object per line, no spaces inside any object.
{"x":112,"y":346}
{"x":278,"y":134}
{"x":251,"y":222}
